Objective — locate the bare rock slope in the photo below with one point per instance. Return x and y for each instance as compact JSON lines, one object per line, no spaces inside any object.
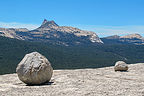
{"x":81,"y":82}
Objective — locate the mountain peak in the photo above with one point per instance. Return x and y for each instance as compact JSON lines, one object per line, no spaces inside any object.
{"x":45,"y":21}
{"x":48,"y":24}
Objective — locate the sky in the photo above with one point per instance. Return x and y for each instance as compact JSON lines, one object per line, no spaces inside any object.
{"x":105,"y":17}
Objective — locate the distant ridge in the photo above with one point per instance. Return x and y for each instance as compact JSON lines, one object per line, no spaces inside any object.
{"x":131,"y":36}
{"x":113,"y":37}
{"x":127,"y":39}
{"x":51,"y":32}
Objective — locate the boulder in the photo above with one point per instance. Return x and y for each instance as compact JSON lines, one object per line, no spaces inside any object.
{"x":34,"y":69}
{"x":121,"y":66}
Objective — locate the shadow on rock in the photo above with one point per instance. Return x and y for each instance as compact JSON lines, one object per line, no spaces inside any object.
{"x":47,"y":83}
{"x":122,"y":71}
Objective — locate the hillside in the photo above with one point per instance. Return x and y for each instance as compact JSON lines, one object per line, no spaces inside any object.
{"x":12,"y":51}
{"x":80,"y":82}
{"x":71,"y":57}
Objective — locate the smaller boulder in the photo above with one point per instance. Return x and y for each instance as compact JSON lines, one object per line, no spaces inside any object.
{"x":121,"y":66}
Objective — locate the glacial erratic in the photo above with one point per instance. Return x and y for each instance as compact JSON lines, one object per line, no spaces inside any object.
{"x":34,"y":69}
{"x":121,"y":66}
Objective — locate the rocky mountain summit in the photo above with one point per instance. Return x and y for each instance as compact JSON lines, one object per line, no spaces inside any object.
{"x":128,"y":39}
{"x":80,"y":82}
{"x":51,"y":32}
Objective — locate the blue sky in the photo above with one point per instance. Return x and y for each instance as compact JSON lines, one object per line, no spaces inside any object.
{"x":105,"y":17}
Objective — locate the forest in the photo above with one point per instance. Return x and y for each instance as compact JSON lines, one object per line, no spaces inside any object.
{"x":12,"y":52}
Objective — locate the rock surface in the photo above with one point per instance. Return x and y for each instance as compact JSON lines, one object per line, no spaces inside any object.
{"x":81,"y":82}
{"x":121,"y":66}
{"x":34,"y":69}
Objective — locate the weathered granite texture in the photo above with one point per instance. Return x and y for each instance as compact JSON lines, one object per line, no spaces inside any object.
{"x":81,"y":82}
{"x":34,"y":69}
{"x":121,"y":66}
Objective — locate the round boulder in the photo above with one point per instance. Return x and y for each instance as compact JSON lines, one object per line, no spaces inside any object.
{"x":121,"y":66}
{"x":34,"y":69}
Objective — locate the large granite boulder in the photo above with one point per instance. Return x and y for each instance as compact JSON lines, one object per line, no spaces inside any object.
{"x":34,"y":69}
{"x":121,"y":66}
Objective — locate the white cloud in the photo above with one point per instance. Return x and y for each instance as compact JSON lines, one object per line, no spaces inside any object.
{"x":18,"y":25}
